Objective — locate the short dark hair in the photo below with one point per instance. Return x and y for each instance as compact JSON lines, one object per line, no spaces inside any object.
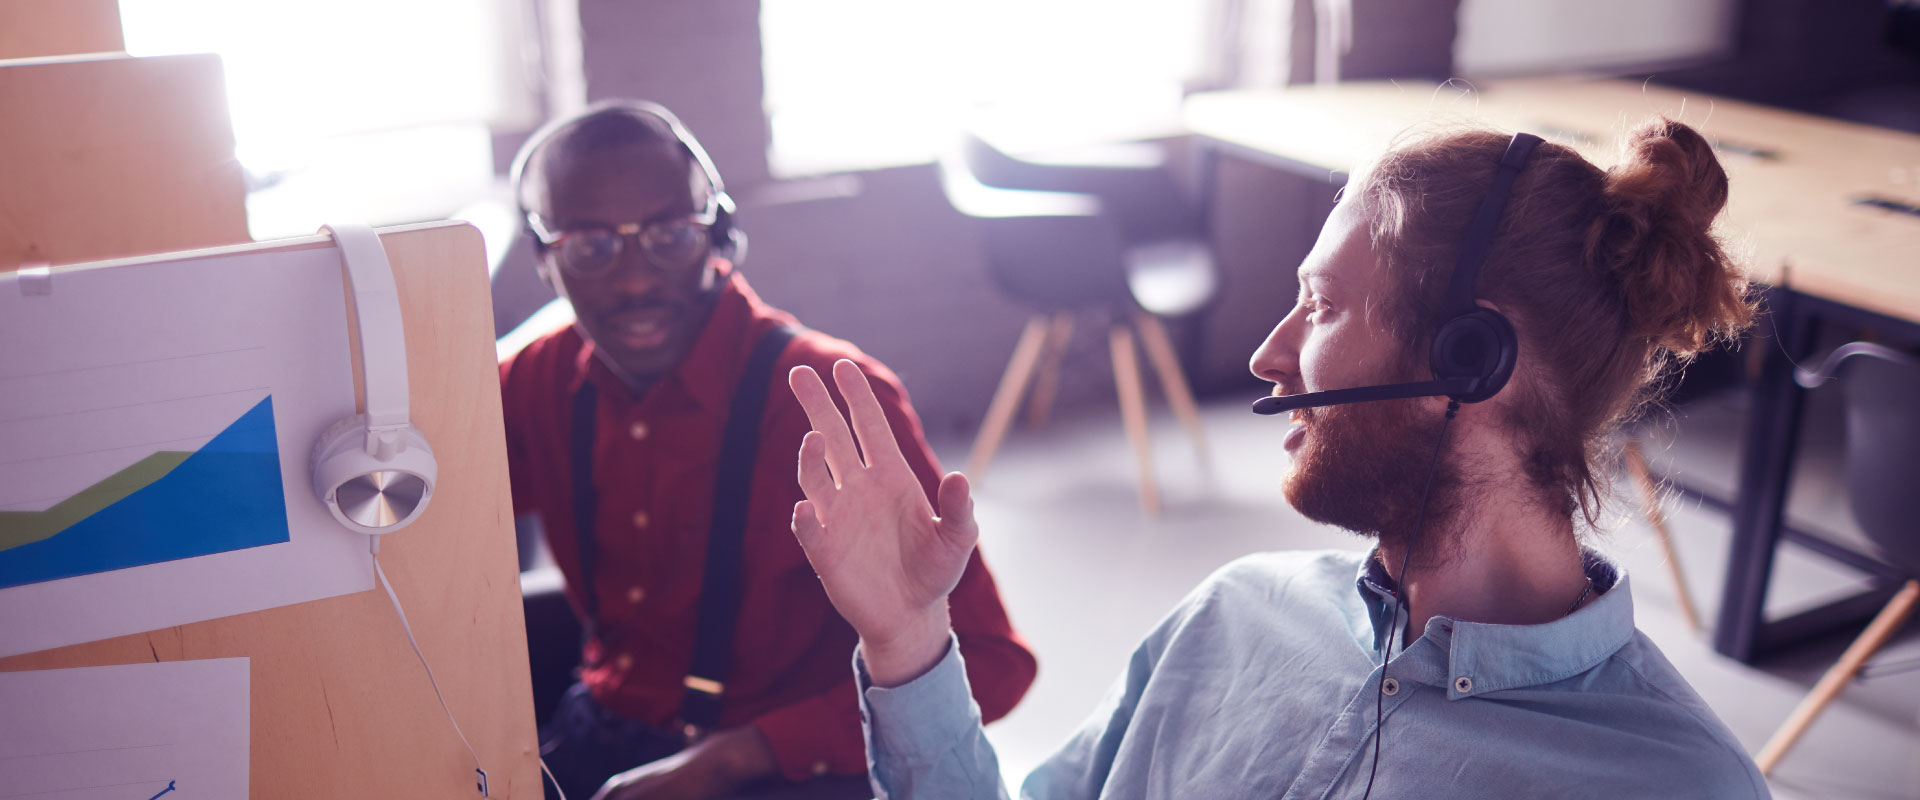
{"x":602,"y":126}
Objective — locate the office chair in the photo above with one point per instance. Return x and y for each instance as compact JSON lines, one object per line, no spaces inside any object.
{"x":1883,"y":490}
{"x":1112,"y":241}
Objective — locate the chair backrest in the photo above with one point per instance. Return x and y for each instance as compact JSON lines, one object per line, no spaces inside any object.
{"x":1046,"y":250}
{"x":1882,"y":390}
{"x":1132,"y":181}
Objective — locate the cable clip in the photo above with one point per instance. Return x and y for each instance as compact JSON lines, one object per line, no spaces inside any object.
{"x":35,"y":279}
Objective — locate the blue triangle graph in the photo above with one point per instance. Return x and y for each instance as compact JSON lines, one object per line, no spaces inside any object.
{"x":225,"y":496}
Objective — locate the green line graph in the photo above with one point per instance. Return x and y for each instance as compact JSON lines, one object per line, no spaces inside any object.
{"x":26,"y":527}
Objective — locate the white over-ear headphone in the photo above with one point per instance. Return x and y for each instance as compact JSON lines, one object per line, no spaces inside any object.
{"x":374,"y":471}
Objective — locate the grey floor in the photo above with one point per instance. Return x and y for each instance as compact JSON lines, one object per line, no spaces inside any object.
{"x":1085,"y":573}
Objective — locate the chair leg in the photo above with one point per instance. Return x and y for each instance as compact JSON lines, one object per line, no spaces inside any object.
{"x":1047,"y":383}
{"x":1173,"y":381}
{"x":1657,"y":520}
{"x":1133,"y":411}
{"x":1882,"y":628}
{"x":1006,"y":399}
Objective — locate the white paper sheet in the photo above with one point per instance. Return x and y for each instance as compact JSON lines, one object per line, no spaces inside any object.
{"x":121,"y":391}
{"x":167,"y":731}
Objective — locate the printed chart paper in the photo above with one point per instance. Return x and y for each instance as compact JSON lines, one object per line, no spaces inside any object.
{"x":155,"y":424}
{"x":167,"y":731}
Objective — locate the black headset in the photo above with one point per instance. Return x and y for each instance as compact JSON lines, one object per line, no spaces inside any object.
{"x":1473,"y":348}
{"x":727,"y":240}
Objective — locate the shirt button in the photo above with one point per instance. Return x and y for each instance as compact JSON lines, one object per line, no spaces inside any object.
{"x":1390,"y":687}
{"x":640,"y":520}
{"x":1463,"y":684}
{"x":819,"y":767}
{"x":635,"y":595}
{"x":638,"y":431}
{"x":624,"y":662}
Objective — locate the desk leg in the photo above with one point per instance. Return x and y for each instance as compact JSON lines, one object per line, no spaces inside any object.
{"x":1766,"y":463}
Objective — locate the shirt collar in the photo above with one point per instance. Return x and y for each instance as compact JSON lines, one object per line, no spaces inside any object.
{"x":703,"y":379}
{"x":1495,"y":657}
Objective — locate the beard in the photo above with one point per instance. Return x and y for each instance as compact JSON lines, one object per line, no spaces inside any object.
{"x":1364,"y":467}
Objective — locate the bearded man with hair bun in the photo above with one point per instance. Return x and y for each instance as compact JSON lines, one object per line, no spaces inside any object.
{"x":1522,"y":673}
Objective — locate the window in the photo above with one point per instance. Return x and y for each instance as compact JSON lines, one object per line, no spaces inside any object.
{"x":377,"y":110}
{"x":858,"y":84}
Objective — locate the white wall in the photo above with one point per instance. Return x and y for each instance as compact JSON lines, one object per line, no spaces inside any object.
{"x":1505,"y":37}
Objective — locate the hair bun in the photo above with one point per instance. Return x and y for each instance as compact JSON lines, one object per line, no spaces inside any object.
{"x":1654,"y":236}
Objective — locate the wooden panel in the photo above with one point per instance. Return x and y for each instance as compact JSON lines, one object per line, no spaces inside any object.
{"x":30,"y":28}
{"x":340,"y":706}
{"x":106,"y":157}
{"x":1791,"y":212}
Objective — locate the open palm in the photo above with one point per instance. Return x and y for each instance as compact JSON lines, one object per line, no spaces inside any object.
{"x":887,"y":561}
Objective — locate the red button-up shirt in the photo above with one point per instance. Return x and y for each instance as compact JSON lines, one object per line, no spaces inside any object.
{"x":654,"y":462}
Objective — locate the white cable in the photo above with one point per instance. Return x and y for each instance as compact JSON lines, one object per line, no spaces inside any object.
{"x":556,"y":781}
{"x":388,"y":585}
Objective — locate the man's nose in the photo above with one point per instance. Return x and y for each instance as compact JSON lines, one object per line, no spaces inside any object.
{"x":633,"y":274}
{"x":1277,"y":360}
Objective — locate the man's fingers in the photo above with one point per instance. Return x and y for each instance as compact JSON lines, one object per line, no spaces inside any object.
{"x":815,"y":480}
{"x":956,"y":510}
{"x":869,"y":420}
{"x":825,"y":417}
{"x":806,"y":523}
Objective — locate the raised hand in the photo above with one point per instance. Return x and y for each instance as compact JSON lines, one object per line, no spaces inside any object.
{"x":886,"y":560}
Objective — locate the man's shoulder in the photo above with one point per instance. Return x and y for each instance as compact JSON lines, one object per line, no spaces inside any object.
{"x":812,"y":348}
{"x":1277,"y":575}
{"x":543,"y":356}
{"x":1294,"y":580}
{"x":1674,"y":713}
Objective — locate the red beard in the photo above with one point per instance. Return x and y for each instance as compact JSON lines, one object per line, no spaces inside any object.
{"x":1363,"y":467}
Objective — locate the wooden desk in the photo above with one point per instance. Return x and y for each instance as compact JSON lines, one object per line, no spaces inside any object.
{"x":1795,"y":180}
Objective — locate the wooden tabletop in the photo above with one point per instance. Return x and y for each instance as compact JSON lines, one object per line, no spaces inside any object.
{"x":1795,"y":178}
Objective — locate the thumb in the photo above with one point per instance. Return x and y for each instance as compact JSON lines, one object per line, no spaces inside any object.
{"x":956,"y":510}
{"x":806,"y":524}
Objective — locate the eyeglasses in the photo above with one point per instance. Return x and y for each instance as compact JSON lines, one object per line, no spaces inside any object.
{"x":671,"y":245}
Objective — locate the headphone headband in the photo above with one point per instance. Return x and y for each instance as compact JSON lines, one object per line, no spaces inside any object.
{"x":1479,"y":235}
{"x":632,"y":108}
{"x":376,"y":307}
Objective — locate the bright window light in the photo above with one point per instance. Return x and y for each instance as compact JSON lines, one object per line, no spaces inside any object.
{"x":854,"y":84}
{"x":368,"y":109}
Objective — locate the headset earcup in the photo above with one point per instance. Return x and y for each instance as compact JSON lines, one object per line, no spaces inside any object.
{"x":1481,"y":345}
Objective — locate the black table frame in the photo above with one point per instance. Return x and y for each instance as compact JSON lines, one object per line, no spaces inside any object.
{"x":1790,"y":324}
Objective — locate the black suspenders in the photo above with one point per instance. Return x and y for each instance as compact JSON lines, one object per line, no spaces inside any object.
{"x":720,"y":585}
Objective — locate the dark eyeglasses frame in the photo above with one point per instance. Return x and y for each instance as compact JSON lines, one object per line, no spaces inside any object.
{"x":551,"y":239}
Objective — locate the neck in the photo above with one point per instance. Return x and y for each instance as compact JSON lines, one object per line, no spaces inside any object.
{"x":637,"y":384}
{"x":1508,"y":561}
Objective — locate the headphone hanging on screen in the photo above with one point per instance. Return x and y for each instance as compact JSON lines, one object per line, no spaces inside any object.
{"x":374,"y":471}
{"x":726,"y":240}
{"x":1474,"y":348}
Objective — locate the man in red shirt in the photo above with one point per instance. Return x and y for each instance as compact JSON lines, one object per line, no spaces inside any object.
{"x":618,"y":431}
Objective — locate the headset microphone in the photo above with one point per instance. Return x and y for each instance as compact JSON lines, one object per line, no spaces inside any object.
{"x":1361,"y":394}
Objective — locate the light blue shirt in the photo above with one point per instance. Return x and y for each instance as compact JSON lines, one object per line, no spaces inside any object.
{"x":1262,"y":684}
